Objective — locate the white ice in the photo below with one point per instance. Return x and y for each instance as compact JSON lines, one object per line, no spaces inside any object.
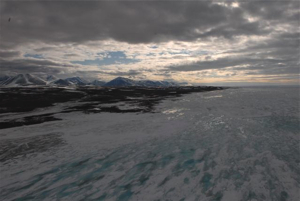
{"x":234,"y":144}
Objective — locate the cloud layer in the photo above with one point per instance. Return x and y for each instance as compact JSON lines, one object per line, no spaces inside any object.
{"x":153,"y":39}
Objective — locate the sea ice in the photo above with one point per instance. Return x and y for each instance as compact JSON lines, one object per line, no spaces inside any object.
{"x":234,"y":144}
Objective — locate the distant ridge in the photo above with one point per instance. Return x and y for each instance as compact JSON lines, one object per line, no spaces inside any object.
{"x":121,"y":82}
{"x":61,"y":82}
{"x":97,"y":83}
{"x":22,"y":80}
{"x":50,"y":80}
{"x":76,"y":81}
{"x":3,"y":78}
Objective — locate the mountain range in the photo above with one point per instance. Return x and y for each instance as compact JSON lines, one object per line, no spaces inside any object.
{"x":21,"y":80}
{"x":50,"y":80}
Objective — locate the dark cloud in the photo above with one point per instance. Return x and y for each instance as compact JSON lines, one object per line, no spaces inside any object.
{"x":132,"y":22}
{"x":244,"y":28}
{"x":245,"y":63}
{"x":29,"y":62}
{"x":278,"y":55}
{"x":91,"y":75}
{"x":31,"y":65}
{"x":120,"y":73}
{"x":272,"y":10}
{"x":44,"y":49}
{"x":70,"y":55}
{"x":8,"y":54}
{"x":114,"y":73}
{"x":220,"y":63}
{"x":288,"y":43}
{"x":58,"y":23}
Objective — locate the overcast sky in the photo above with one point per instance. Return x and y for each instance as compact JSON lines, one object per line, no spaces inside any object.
{"x":193,"y":41}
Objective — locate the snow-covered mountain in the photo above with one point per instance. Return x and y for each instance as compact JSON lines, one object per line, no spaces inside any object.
{"x":22,"y":80}
{"x":51,"y":80}
{"x":150,"y":83}
{"x":121,"y":82}
{"x":72,"y":81}
{"x":76,"y":81}
{"x":61,"y":82}
{"x":3,"y":78}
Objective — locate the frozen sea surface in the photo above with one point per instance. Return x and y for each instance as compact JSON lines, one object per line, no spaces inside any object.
{"x":235,"y":144}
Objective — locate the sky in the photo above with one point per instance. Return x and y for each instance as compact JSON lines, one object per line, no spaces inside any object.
{"x":251,"y":42}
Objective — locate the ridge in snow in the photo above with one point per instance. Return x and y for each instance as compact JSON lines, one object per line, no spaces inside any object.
{"x":23,"y":80}
{"x":28,"y":80}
